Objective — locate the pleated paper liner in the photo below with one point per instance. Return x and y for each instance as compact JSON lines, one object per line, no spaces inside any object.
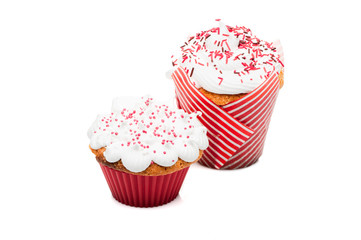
{"x":143,"y":191}
{"x":236,"y":131}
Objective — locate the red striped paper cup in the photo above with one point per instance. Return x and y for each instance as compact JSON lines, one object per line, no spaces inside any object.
{"x":236,"y":131}
{"x":143,"y":191}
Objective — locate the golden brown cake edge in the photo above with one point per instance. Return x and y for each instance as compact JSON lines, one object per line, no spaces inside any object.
{"x":223,"y":99}
{"x":153,"y":169}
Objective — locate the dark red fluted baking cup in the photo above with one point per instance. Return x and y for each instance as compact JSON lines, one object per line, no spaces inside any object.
{"x":143,"y":191}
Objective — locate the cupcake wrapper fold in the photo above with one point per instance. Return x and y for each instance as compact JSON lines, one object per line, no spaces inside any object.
{"x":143,"y":191}
{"x":237,"y":130}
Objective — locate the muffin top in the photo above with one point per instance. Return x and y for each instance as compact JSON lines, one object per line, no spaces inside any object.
{"x":228,"y":60}
{"x":139,"y":131}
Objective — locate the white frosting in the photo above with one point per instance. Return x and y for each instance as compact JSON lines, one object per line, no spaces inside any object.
{"x":228,"y":60}
{"x":139,"y":131}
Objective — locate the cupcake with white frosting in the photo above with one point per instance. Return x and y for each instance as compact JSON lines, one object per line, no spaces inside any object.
{"x":233,"y":78}
{"x":145,"y":149}
{"x":225,"y":63}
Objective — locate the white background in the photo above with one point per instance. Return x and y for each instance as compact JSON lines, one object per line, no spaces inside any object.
{"x":62,"y":62}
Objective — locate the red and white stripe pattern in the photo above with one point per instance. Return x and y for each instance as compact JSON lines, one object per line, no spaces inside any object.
{"x":225,"y":133}
{"x":254,"y":110}
{"x":236,"y":131}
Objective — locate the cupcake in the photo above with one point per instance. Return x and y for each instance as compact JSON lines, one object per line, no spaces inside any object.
{"x":145,"y":149}
{"x":233,"y":78}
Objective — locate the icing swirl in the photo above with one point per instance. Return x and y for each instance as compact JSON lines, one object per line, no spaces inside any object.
{"x":139,"y":131}
{"x":228,"y":60}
